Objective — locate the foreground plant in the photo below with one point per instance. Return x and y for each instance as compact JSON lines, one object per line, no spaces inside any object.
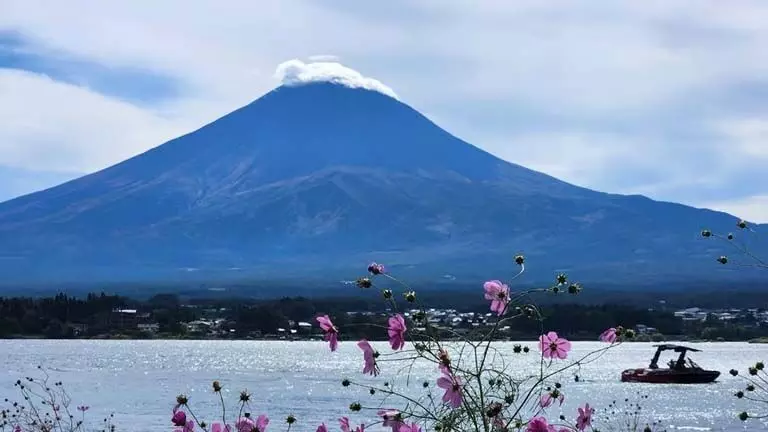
{"x":626,"y":416}
{"x":756,"y":388}
{"x":475,"y":387}
{"x":45,"y":406}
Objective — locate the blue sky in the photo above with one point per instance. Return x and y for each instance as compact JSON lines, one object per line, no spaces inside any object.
{"x":661,"y":98}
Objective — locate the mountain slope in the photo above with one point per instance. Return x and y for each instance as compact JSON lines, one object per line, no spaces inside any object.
{"x":318,"y":179}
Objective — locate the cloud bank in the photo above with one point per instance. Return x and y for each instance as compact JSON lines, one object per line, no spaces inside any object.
{"x":295,"y":72}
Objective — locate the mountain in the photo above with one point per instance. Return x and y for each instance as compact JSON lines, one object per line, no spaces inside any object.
{"x":312,"y":181}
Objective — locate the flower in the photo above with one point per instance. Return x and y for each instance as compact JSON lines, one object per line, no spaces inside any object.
{"x":498,"y":294}
{"x":585,"y":417}
{"x":179,"y":418}
{"x":369,"y":356}
{"x":396,"y":332}
{"x":344,"y":423}
{"x":218,"y":427}
{"x":412,"y":428}
{"x":539,"y":424}
{"x":322,"y":428}
{"x":331,"y":332}
{"x":452,"y":386}
{"x":391,"y":418}
{"x":375,"y":269}
{"x":261,"y":423}
{"x":83,"y":408}
{"x":549,"y":398}
{"x":553,"y":346}
{"x":245,"y":424}
{"x":609,"y":335}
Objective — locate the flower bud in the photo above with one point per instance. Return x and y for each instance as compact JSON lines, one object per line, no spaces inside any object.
{"x":372,"y":391}
{"x":734,"y":372}
{"x":574,"y":288}
{"x":494,"y":409}
{"x":245,"y":396}
{"x":517,"y":349}
{"x":410,"y":296}
{"x":345,"y":382}
{"x":759,"y":366}
{"x":706,"y":233}
{"x":730,"y":236}
{"x":364,"y":282}
{"x":216,"y":386}
{"x":182,"y":399}
{"x":753,"y":371}
{"x":562,"y":278}
{"x":739,"y":394}
{"x":519,"y":259}
{"x":723,"y":260}
{"x":742,"y":224}
{"x":290,"y":419}
{"x":509,"y":399}
{"x":743,"y":416}
{"x":355,"y":407}
{"x":387,"y":294}
{"x":750,"y":388}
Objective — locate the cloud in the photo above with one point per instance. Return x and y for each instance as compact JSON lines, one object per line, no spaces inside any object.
{"x":753,"y":208}
{"x":295,"y":73}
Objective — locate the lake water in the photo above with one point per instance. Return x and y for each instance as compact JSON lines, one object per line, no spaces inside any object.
{"x":138,"y":380}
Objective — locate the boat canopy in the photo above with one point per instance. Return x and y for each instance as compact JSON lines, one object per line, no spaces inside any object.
{"x":675,"y":348}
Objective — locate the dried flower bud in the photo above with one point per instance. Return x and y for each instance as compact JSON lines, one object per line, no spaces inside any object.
{"x":245,"y":396}
{"x":574,"y":288}
{"x":216,"y":386}
{"x":526,"y":350}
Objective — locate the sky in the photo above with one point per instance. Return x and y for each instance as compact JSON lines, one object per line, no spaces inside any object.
{"x":665,"y":98}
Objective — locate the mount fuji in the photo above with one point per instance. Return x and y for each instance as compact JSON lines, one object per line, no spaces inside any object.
{"x":313,"y":181}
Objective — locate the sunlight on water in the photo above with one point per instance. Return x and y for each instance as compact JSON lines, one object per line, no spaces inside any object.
{"x":139,"y":380}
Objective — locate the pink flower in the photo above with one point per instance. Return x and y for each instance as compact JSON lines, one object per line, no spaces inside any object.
{"x":261,"y":423}
{"x":179,"y":418}
{"x":322,"y":428}
{"x":369,"y":356}
{"x":218,"y":427}
{"x":245,"y":424}
{"x":17,"y":429}
{"x":549,"y":398}
{"x":609,"y":335}
{"x":391,"y":418}
{"x":396,"y":332}
{"x":331,"y":332}
{"x":498,"y":294}
{"x":344,"y":423}
{"x":539,"y":424}
{"x":412,"y":428}
{"x":585,"y":417}
{"x":375,"y":269}
{"x":553,"y":346}
{"x":452,"y":386}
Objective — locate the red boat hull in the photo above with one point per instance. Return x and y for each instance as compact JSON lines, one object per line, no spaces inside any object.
{"x":669,"y":376}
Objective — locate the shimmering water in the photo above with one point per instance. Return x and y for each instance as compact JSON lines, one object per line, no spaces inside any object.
{"x":138,"y":380}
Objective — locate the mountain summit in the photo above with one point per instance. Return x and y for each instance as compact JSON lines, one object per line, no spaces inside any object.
{"x":317,"y":179}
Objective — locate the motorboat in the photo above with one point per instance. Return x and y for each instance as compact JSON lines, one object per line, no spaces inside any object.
{"x":680,"y":371}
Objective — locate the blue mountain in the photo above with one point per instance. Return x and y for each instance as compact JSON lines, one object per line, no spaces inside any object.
{"x":314,"y":181}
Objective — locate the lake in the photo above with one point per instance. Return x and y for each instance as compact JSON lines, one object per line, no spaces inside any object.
{"x":139,"y":380}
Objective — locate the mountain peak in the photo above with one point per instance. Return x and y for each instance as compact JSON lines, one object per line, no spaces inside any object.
{"x":296,"y":73}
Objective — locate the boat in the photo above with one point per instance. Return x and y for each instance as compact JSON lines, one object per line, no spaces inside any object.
{"x":680,"y":371}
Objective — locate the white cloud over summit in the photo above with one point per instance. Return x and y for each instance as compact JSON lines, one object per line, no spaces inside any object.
{"x":295,"y":72}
